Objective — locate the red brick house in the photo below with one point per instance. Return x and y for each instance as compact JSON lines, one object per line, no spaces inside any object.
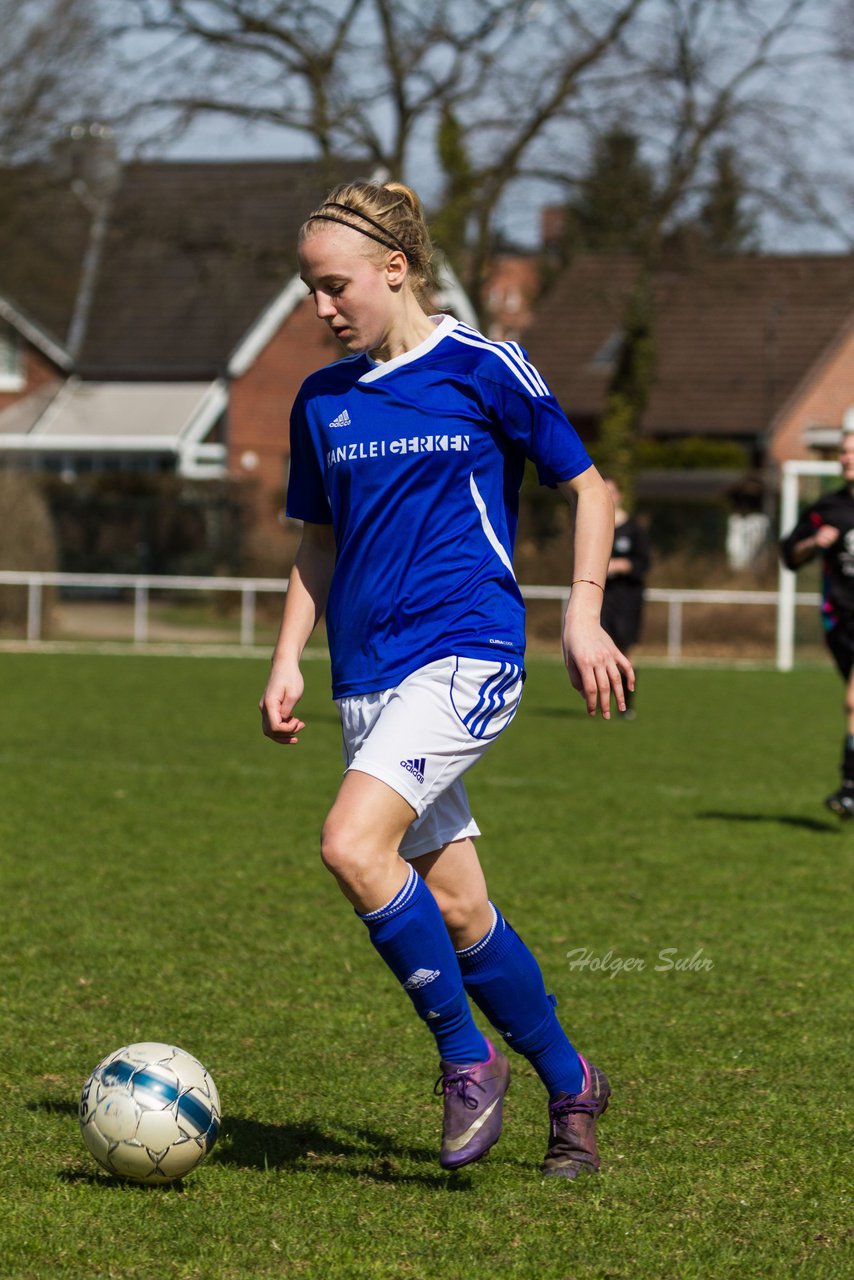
{"x":152,"y":317}
{"x":753,"y":349}
{"x":509,"y":295}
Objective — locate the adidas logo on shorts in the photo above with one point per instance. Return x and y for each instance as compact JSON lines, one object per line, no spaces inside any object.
{"x":415,"y":767}
{"x":420,"y":978}
{"x":343,"y":420}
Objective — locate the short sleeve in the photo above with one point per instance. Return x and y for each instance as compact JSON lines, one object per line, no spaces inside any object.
{"x":526,"y":412}
{"x":306,"y":498}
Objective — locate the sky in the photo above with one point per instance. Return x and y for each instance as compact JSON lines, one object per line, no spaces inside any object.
{"x":831,"y":150}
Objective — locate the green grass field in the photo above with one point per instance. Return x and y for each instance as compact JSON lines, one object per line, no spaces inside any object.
{"x":160,"y":881}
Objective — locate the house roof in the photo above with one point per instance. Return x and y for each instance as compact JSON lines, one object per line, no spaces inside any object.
{"x":34,"y":333}
{"x":734,"y":336}
{"x":44,"y":229}
{"x":119,"y":417}
{"x":192,"y":253}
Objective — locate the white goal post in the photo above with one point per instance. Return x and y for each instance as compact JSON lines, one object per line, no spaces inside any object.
{"x":790,"y":496}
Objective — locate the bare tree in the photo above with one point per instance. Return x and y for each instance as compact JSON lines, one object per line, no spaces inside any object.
{"x":704,"y":77}
{"x":482,"y":98}
{"x":381,"y":78}
{"x":48,"y":72}
{"x":844,"y":22}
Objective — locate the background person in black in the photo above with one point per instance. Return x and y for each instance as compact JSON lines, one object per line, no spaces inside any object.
{"x":827,"y":529}
{"x":622,"y":609}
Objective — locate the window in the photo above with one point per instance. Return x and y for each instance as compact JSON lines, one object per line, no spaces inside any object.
{"x":605,"y":359}
{"x":11,"y":360}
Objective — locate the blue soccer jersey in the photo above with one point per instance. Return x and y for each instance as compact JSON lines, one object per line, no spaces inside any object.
{"x":417,"y":464}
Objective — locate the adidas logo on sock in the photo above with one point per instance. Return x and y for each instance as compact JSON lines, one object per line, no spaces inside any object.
{"x":415,"y":767}
{"x":343,"y":420}
{"x":420,"y":978}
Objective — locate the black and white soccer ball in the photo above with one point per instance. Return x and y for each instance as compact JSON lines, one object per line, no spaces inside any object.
{"x":149,"y":1112}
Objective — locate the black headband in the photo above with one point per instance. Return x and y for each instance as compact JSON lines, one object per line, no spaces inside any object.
{"x":388,"y":239}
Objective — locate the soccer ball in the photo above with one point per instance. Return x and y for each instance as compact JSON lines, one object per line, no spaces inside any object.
{"x":149,"y":1112}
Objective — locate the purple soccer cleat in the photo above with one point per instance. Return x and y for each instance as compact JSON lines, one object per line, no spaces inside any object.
{"x":474,"y":1097}
{"x":572,"y":1145}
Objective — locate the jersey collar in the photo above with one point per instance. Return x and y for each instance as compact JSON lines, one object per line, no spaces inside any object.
{"x":444,"y":325}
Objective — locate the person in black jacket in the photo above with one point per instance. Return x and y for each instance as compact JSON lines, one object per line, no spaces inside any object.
{"x":622,"y":609}
{"x":826,"y":529}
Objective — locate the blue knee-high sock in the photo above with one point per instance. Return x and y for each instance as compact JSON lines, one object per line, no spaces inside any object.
{"x":504,"y":980}
{"x":410,"y":935}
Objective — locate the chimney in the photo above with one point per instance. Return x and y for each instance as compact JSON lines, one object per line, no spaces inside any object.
{"x":552,"y":225}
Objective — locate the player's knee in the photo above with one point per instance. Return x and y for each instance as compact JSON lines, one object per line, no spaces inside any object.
{"x":337,"y":849}
{"x":349,"y":857}
{"x":458,"y":911}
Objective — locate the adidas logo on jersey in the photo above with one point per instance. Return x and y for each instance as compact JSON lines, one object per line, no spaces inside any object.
{"x":420,"y":978}
{"x":343,"y":420}
{"x":415,"y":767}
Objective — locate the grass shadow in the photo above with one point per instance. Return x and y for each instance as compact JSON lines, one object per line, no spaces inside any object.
{"x":353,"y":1152}
{"x":782,"y":819}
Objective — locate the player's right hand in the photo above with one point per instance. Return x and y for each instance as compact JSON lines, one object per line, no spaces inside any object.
{"x":283,"y":692}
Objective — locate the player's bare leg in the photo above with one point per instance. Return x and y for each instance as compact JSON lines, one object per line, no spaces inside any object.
{"x":360,"y":844}
{"x":361,"y":838}
{"x":456,"y":880}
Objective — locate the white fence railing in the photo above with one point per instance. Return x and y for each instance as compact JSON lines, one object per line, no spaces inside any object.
{"x":250,"y":588}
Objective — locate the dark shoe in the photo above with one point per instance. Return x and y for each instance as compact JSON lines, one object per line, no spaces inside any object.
{"x":842,"y":801}
{"x":572,"y":1146}
{"x":474,"y":1098}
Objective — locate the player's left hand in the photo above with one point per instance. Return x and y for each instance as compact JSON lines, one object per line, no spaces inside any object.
{"x":596,"y":666}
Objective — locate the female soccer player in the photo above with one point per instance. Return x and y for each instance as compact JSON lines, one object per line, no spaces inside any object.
{"x":406,"y":461}
{"x":826,"y":529}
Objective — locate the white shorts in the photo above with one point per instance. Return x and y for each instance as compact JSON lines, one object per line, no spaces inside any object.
{"x":420,"y":738}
